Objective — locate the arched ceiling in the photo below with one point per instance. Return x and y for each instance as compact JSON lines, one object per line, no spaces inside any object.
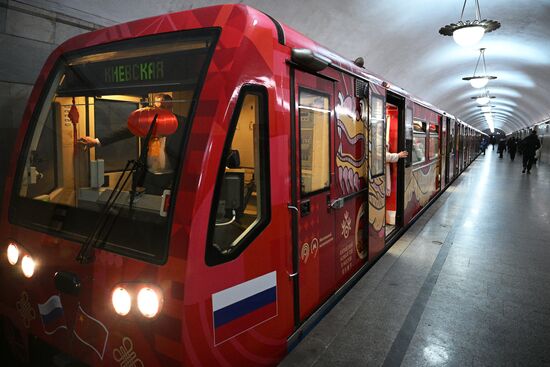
{"x":400,"y":42}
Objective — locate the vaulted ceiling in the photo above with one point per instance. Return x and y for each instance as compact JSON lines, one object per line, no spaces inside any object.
{"x":400,"y":42}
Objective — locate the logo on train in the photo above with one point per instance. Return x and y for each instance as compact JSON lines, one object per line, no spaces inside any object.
{"x":346,"y":225}
{"x":125,"y":355}
{"x":25,"y":310}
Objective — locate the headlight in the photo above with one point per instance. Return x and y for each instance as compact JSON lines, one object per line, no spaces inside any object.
{"x":27,"y":265}
{"x":148,"y":302}
{"x":122,"y":301}
{"x":13,"y":253}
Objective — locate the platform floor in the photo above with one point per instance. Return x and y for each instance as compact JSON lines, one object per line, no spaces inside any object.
{"x":467,"y":285}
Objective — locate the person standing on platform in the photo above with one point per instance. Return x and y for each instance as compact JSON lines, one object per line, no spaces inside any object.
{"x":483,"y":145}
{"x":512,"y":148}
{"x":501,"y":147}
{"x":493,"y":141}
{"x":530,"y":145}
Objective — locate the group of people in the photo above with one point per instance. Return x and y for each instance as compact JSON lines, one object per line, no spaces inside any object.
{"x":527,"y":146}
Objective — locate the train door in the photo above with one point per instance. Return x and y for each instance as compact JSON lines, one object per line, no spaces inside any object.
{"x":313,"y":181}
{"x":451,"y":148}
{"x":445,"y":136}
{"x":395,"y":139}
{"x":458,"y":150}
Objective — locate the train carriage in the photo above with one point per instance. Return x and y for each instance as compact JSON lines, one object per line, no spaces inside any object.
{"x":236,"y":186}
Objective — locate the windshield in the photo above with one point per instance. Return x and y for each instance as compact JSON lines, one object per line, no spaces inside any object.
{"x":91,"y":128}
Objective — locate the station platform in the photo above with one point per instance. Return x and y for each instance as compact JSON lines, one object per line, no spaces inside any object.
{"x":466,"y":285}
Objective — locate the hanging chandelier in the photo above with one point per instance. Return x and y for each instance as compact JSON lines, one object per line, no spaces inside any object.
{"x":484,"y":98}
{"x":480,"y":81}
{"x":469,"y":32}
{"x":486,"y":109}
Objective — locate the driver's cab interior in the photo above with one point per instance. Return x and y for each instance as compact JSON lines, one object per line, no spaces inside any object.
{"x":64,"y":171}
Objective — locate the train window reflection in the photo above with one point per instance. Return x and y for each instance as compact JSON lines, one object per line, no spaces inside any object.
{"x":314,"y":140}
{"x":434,"y":141}
{"x":419,"y":142}
{"x":434,"y":147}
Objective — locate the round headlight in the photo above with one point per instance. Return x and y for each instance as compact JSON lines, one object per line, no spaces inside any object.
{"x":27,"y":265}
{"x":122,"y":301}
{"x":148,"y":302}
{"x":13,"y":253}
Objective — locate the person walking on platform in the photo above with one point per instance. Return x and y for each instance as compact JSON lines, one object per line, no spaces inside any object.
{"x":530,"y":145}
{"x":493,"y":141}
{"x":483,"y":145}
{"x":501,"y":147}
{"x":512,"y":148}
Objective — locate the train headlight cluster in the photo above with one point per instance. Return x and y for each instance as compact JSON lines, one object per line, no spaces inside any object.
{"x":16,"y":252}
{"x":147,"y":298}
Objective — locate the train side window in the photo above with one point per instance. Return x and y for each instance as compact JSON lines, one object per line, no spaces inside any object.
{"x":241,"y":206}
{"x":314,"y":109}
{"x":434,"y":141}
{"x":408,"y":135}
{"x":377,"y":136}
{"x":419,"y":142}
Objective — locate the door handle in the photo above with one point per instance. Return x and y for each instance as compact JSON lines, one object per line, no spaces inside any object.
{"x":292,"y":275}
{"x":336,"y":204}
{"x":292,"y":207}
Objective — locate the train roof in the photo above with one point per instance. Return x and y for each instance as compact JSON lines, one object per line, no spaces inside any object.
{"x":226,"y":16}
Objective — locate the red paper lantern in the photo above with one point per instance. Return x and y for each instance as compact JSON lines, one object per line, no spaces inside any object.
{"x":140,"y":121}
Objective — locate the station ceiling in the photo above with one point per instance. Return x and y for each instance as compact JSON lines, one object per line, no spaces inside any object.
{"x":399,"y":41}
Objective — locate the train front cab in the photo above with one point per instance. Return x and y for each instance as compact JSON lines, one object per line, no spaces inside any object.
{"x":205,"y":226}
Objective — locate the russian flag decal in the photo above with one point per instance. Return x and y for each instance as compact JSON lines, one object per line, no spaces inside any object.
{"x":240,"y":308}
{"x":51,"y":313}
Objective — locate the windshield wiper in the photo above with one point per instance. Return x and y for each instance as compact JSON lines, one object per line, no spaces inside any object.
{"x":132,"y":166}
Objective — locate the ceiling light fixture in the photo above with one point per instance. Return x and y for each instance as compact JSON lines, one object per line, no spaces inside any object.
{"x":484,"y":98}
{"x":485,"y":108}
{"x":469,"y":32}
{"x":490,"y":121}
{"x":480,"y":81}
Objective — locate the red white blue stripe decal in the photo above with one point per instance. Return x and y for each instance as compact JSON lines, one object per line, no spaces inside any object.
{"x":51,"y":313}
{"x":240,"y":308}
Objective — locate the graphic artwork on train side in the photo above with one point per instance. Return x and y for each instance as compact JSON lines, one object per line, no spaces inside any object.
{"x":91,"y":332}
{"x":361,"y":244}
{"x":351,"y":155}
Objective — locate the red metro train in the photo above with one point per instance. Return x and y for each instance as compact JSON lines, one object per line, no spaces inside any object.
{"x":236,"y":186}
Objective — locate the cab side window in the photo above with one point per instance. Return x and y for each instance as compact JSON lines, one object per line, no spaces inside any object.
{"x":241,"y":206}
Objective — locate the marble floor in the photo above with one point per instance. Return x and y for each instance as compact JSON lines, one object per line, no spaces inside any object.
{"x":467,"y":285}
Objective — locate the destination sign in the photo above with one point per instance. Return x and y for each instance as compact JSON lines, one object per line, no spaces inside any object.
{"x":143,"y":71}
{"x":132,"y":74}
